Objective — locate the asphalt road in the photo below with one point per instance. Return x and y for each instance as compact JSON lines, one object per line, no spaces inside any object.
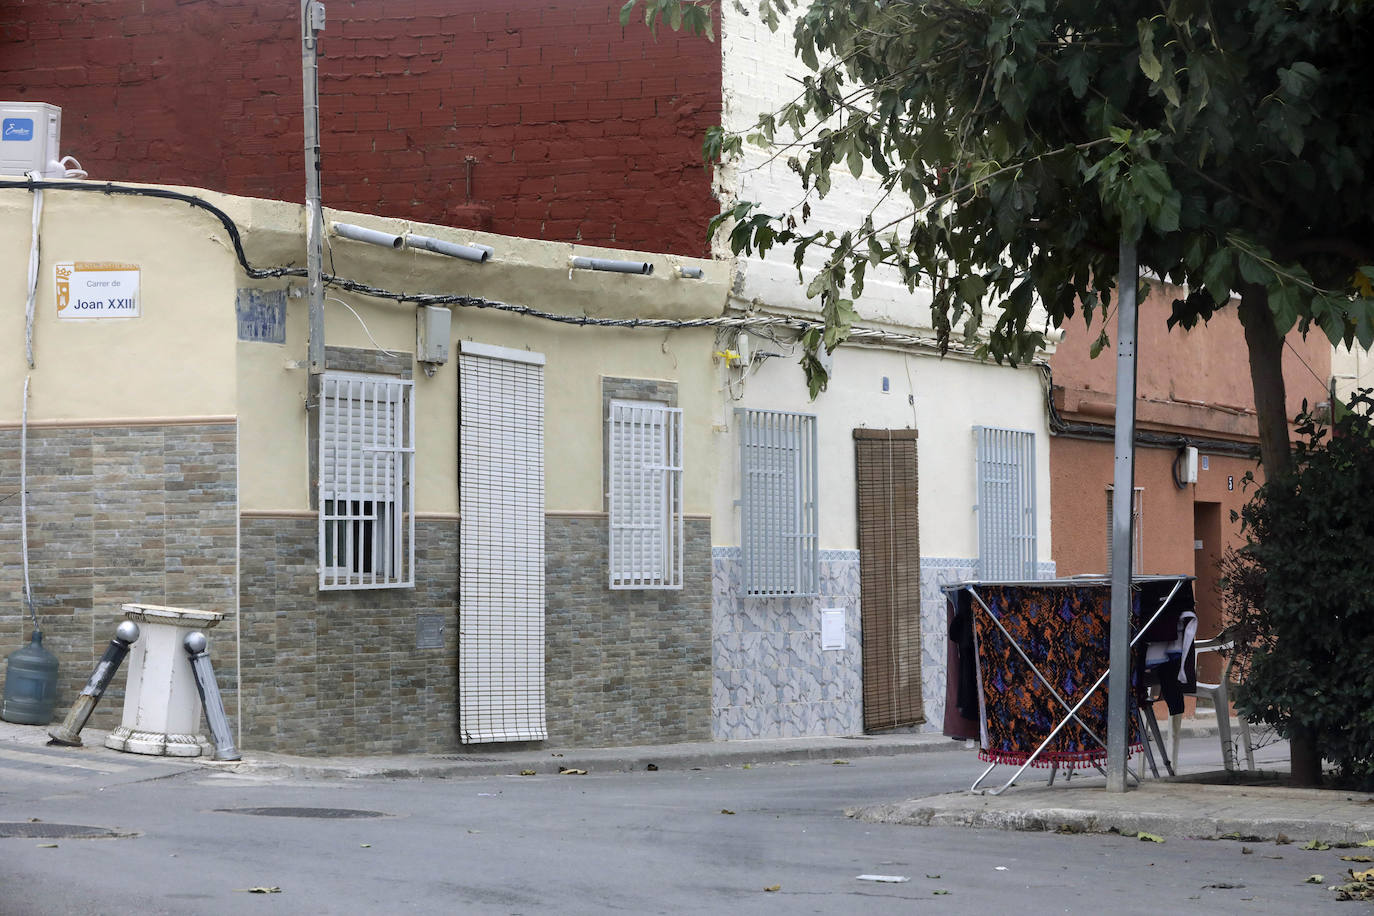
{"x":770,"y":838}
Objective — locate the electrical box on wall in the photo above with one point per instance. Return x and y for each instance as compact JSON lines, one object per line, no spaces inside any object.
{"x":29,"y":136}
{"x":432,"y":327}
{"x":1189,"y":465}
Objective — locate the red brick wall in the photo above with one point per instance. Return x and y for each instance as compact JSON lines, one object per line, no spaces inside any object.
{"x":580,"y":130}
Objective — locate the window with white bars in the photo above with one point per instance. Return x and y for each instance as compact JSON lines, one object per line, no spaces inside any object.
{"x":366,"y":468}
{"x":1137,"y":517}
{"x":778,"y":502}
{"x":644,"y":451}
{"x":501,"y":683}
{"x":1006,"y":503}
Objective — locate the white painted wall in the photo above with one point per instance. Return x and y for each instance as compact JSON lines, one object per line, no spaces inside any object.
{"x":948,"y":396}
{"x":943,"y":399}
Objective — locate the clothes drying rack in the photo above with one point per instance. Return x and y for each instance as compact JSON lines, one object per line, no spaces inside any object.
{"x":1150,"y":728}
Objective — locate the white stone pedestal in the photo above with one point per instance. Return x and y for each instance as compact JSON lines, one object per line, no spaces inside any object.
{"x":161,"y":705}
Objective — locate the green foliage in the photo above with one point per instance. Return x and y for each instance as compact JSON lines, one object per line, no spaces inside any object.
{"x":1230,"y":139}
{"x":1298,"y":593}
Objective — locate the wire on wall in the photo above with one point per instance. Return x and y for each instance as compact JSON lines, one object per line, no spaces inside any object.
{"x":755,"y":323}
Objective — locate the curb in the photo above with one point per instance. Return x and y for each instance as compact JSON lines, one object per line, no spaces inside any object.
{"x":593,"y":760}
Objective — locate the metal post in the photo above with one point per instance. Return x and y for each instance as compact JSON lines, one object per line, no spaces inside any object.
{"x":312,"y":23}
{"x":215,"y":716}
{"x":1123,"y":487}
{"x":69,"y":732}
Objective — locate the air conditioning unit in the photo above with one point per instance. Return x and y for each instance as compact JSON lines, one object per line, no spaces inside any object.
{"x":29,"y":137}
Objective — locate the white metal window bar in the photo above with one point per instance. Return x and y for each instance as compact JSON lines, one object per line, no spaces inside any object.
{"x":366,"y":472}
{"x":1137,"y":520}
{"x":645,"y":481}
{"x":1006,"y":503}
{"x":778,"y":502}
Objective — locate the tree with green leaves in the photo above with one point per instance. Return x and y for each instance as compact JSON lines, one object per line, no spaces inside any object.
{"x":1298,"y":600}
{"x":1230,"y":140}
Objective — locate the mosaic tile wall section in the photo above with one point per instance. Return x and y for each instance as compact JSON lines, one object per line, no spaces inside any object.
{"x":935,"y":572}
{"x":770,"y":677}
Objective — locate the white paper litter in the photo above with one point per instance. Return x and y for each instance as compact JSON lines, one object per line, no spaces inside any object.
{"x":886,"y":879}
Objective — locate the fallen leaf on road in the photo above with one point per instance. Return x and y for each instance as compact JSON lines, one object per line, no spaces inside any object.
{"x":1315,"y":879}
{"x":940,"y":893}
{"x":775,"y":887}
{"x":1068,"y":828}
{"x":1246,"y":851}
{"x":527,"y":772}
{"x":365,"y":845}
{"x":260,"y":890}
{"x":1149,"y":837}
{"x":1357,"y":858}
{"x":653,"y":767}
{"x":569,"y":771}
{"x":47,"y":845}
{"x":1315,"y":844}
{"x":840,"y":763}
{"x":1282,"y":840}
{"x":35,"y":820}
{"x":726,"y":811}
{"x":1222,"y":885}
{"x":1366,"y":875}
{"x":1366,"y":843}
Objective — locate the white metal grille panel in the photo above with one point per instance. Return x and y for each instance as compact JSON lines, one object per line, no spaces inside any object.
{"x":644,"y":451}
{"x":1006,"y":503}
{"x":501,"y":591}
{"x":778,"y":502}
{"x":366,"y":468}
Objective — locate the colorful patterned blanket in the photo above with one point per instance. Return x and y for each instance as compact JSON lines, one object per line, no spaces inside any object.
{"x":1066,"y":632}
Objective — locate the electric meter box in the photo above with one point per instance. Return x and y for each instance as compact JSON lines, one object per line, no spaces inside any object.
{"x":29,"y":137}
{"x":432,"y":327}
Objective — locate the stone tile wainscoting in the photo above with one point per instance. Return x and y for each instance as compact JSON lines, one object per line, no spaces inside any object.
{"x":935,"y":572}
{"x":770,"y":677}
{"x":132,"y":513}
{"x":342,"y":672}
{"x":624,"y":666}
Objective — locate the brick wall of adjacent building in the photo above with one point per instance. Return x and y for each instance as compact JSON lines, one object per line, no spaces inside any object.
{"x":579,"y":129}
{"x":116,"y":515}
{"x":340,"y":672}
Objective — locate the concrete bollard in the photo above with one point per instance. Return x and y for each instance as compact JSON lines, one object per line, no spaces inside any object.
{"x":69,"y":732}
{"x":195,"y":643}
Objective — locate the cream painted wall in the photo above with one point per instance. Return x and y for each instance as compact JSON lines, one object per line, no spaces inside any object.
{"x":274,"y":434}
{"x":950,"y":396}
{"x":174,"y":361}
{"x":182,"y":358}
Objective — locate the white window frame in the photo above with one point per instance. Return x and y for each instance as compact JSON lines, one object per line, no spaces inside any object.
{"x":366,"y":468}
{"x":644,"y":491}
{"x":779,"y":520}
{"x":1007,"y":537}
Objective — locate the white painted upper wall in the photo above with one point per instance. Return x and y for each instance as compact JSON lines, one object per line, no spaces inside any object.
{"x":943,"y":399}
{"x":761,"y":74}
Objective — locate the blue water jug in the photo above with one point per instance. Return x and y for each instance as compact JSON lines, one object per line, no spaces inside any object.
{"x":30,"y":684}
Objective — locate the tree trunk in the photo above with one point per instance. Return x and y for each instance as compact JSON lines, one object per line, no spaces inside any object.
{"x":1265,"y":346}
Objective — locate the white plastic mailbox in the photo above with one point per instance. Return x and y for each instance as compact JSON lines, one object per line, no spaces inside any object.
{"x":161,"y":705}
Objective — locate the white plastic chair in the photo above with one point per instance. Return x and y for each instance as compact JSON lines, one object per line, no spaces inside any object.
{"x":1219,"y":695}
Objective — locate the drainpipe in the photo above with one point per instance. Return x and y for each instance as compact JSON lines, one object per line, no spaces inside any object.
{"x":312,"y":23}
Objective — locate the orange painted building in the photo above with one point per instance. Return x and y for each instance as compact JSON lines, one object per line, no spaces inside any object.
{"x":1192,"y":389}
